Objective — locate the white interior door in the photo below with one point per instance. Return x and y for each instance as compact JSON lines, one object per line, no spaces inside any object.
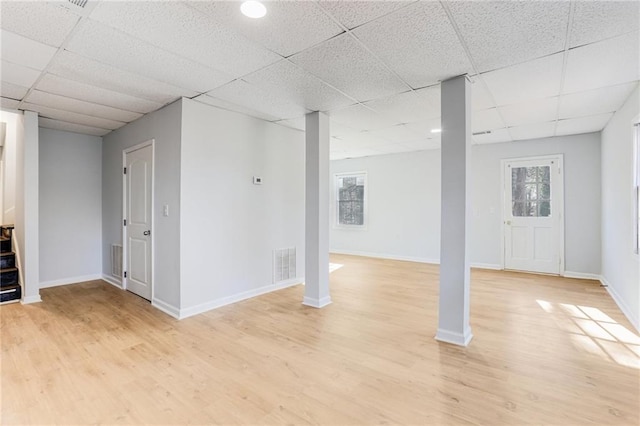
{"x":533,"y":214}
{"x":138,"y":217}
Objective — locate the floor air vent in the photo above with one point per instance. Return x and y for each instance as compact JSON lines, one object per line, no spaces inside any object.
{"x":116,"y":260}
{"x":284,"y":264}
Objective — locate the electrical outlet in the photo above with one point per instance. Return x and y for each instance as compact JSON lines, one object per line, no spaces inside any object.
{"x":257,"y":180}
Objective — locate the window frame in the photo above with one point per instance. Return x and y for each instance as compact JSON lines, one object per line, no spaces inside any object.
{"x":336,"y":201}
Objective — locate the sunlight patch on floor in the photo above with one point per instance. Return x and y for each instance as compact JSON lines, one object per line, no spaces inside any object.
{"x":334,"y":267}
{"x":595,"y":332}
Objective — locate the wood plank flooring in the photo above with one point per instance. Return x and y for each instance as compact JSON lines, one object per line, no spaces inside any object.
{"x":546,"y":350}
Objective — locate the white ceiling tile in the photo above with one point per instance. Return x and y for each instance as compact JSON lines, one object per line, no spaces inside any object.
{"x":299,"y":87}
{"x":422,"y":145}
{"x":501,"y":33}
{"x":78,"y":68}
{"x":48,"y":123}
{"x":288,"y":27}
{"x":399,"y":133}
{"x":340,"y":130}
{"x":495,"y":136}
{"x":410,"y":106}
{"x":480,"y":97}
{"x":346,"y":65}
{"x":230,"y":106}
{"x":9,"y":103}
{"x":418,"y":42}
{"x":85,"y":92}
{"x":363,"y":140}
{"x":42,"y":21}
{"x":293,"y":123}
{"x":535,"y":111}
{"x":487,"y":119}
{"x":352,"y":14}
{"x":540,"y":78}
{"x":72,"y":117}
{"x":68,"y":104}
{"x":425,"y":127}
{"x":15,"y":48}
{"x":8,"y":90}
{"x":574,"y":126}
{"x":185,"y":31}
{"x":251,"y":97}
{"x":593,"y":102}
{"x":18,"y":74}
{"x":533,"y":131}
{"x":598,"y":20}
{"x":395,"y":148}
{"x":361,"y":118}
{"x":601,"y":64}
{"x":107,"y":45}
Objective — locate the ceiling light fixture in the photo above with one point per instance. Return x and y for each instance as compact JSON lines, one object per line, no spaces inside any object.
{"x":436,"y":130}
{"x":253,"y":9}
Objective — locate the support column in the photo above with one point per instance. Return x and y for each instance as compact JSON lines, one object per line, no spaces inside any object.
{"x":453,"y":315}
{"x":316,"y":290}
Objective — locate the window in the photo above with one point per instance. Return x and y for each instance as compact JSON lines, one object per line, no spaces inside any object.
{"x":636,"y":187}
{"x":351,"y":199}
{"x":531,"y":191}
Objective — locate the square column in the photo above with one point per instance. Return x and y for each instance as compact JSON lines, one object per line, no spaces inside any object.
{"x":453,"y":314}
{"x":316,"y":290}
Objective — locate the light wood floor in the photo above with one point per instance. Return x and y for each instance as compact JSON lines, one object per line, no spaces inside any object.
{"x":546,"y":350}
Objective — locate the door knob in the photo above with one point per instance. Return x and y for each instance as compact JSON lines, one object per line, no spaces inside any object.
{"x":508,"y":222}
{"x":146,"y":233}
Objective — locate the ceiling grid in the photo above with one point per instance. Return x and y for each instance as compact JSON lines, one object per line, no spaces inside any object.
{"x":375,"y":67}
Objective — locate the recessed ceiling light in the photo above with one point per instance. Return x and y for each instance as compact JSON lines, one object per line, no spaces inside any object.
{"x":436,"y":130}
{"x":253,"y":9}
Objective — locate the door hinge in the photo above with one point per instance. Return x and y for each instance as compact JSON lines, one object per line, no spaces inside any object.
{"x":125,"y":274}
{"x":125,"y":222}
{"x":125,"y":170}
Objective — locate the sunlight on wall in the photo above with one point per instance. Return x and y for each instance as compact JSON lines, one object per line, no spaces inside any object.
{"x":594,"y":332}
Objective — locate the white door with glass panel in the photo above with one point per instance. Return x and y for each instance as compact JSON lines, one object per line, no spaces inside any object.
{"x":533,"y":214}
{"x":138,"y":187}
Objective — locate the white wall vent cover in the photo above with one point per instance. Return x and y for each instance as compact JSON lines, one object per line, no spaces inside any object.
{"x":284,"y":264}
{"x":116,"y":260}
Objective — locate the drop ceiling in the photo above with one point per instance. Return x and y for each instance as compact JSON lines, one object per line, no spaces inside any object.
{"x":538,"y":69}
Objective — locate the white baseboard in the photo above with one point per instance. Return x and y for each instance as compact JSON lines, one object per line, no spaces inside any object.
{"x":31,"y":299}
{"x":581,"y":275}
{"x":453,"y":337}
{"x":71,"y":280}
{"x":316,"y":303}
{"x":633,"y":319}
{"x":166,"y":308}
{"x":217,"y":303}
{"x":386,"y":256}
{"x":492,"y":266}
{"x":113,"y":281}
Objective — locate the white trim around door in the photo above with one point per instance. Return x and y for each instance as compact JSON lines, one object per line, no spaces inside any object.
{"x":542,"y":258}
{"x":125,"y":229}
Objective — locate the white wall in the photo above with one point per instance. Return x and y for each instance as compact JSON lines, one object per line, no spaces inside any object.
{"x":164,"y":126}
{"x":620,"y":266}
{"x":70,"y":207}
{"x":230,"y":227}
{"x":9,"y":168}
{"x":403,"y":207}
{"x":404,"y":202}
